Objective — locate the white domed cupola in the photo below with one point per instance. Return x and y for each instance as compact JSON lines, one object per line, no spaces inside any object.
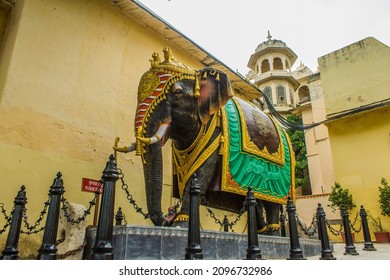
{"x":270,"y":66}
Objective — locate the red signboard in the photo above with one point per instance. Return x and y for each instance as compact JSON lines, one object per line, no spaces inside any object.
{"x":90,"y":185}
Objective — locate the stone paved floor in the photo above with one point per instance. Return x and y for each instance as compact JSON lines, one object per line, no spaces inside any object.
{"x":382,"y":252}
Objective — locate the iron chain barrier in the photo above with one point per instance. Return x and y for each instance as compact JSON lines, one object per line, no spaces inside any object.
{"x":138,"y":209}
{"x":310,"y":230}
{"x":333,"y":230}
{"x":225,"y":223}
{"x":33,"y":229}
{"x":65,"y":207}
{"x":8,"y":218}
{"x":130,"y":198}
{"x":356,"y":220}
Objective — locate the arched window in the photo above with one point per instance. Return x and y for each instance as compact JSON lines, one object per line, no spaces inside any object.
{"x":268,"y":93}
{"x":281,"y":95}
{"x":304,"y":94}
{"x":278,"y":65}
{"x":265,"y":66}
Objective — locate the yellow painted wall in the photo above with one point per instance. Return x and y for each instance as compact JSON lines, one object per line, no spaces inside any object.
{"x":69,"y":76}
{"x":360,"y":148}
{"x":356,"y":75}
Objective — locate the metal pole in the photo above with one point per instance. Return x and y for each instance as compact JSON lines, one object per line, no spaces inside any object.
{"x":295,"y":249}
{"x":368,"y":245}
{"x":193,"y":249}
{"x":253,"y":250}
{"x":225,"y":224}
{"x":103,"y":249}
{"x":48,"y":250}
{"x":11,"y":251}
{"x":282,"y":222}
{"x":96,"y":211}
{"x":326,"y":252}
{"x":119,"y":217}
{"x":349,"y":247}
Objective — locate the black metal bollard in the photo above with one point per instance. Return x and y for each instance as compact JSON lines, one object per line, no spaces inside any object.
{"x":253,"y":251}
{"x":225,"y":224}
{"x":282,"y":222}
{"x":349,"y":247}
{"x":368,"y":245}
{"x":119,"y":217}
{"x":295,"y":249}
{"x":193,"y":249}
{"x":326,"y":252}
{"x":48,"y":250}
{"x":102,"y":249}
{"x":11,"y":251}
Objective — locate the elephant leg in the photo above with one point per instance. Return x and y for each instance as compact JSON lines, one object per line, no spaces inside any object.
{"x":261,"y":224}
{"x":272,"y":211}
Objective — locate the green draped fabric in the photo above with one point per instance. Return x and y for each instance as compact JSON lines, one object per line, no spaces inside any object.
{"x":264,"y":176}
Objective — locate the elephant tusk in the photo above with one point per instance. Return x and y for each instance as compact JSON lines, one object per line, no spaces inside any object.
{"x":125,"y":149}
{"x":156,"y":137}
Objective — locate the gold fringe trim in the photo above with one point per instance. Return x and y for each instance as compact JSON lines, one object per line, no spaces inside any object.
{"x":273,"y":226}
{"x":182,"y":218}
{"x":187,"y":161}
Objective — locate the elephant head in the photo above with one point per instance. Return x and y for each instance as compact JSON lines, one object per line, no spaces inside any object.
{"x":174,"y":102}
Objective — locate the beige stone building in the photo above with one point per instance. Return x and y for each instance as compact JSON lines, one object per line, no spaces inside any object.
{"x":356,"y":83}
{"x":349,"y":92}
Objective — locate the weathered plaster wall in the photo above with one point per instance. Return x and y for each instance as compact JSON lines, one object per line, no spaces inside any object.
{"x":356,"y":75}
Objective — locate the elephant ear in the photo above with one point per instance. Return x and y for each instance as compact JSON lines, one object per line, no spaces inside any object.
{"x":215,"y":91}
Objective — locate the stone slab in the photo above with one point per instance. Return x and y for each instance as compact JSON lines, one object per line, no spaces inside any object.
{"x":133,"y":242}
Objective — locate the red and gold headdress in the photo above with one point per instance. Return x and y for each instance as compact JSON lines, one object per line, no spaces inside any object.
{"x":156,"y":82}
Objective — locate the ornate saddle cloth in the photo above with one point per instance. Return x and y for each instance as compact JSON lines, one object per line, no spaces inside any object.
{"x":256,"y":154}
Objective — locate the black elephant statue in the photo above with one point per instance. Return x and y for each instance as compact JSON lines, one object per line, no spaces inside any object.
{"x":229,"y":143}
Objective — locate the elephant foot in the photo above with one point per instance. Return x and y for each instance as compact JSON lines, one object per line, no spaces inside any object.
{"x":270,"y":230}
{"x":181,"y":220}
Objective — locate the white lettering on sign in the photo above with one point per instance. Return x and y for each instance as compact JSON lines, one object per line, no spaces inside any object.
{"x":90,"y":185}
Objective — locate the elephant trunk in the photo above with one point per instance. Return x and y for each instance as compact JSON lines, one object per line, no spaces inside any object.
{"x":153,"y":171}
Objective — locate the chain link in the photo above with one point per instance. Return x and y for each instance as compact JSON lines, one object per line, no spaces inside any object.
{"x":8,"y":218}
{"x":65,"y":207}
{"x":308,"y":231}
{"x":4,"y":211}
{"x":353,"y":224}
{"x":130,"y":197}
{"x":218,"y":221}
{"x":72,"y":252}
{"x":333,"y":230}
{"x":33,"y":229}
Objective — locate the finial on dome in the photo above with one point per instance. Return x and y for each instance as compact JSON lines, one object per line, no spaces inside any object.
{"x":269,"y":37}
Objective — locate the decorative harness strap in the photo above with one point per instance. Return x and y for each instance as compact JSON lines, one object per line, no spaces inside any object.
{"x":187,"y":161}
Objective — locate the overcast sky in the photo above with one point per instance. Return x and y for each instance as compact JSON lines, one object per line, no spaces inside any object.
{"x":231,"y":29}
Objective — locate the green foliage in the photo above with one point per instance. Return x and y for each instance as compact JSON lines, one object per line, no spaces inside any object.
{"x":376,"y":224}
{"x":297,"y":138}
{"x":384,"y":198}
{"x":340,"y":196}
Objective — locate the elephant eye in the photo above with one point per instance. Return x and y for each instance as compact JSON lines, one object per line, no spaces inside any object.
{"x":178,"y":91}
